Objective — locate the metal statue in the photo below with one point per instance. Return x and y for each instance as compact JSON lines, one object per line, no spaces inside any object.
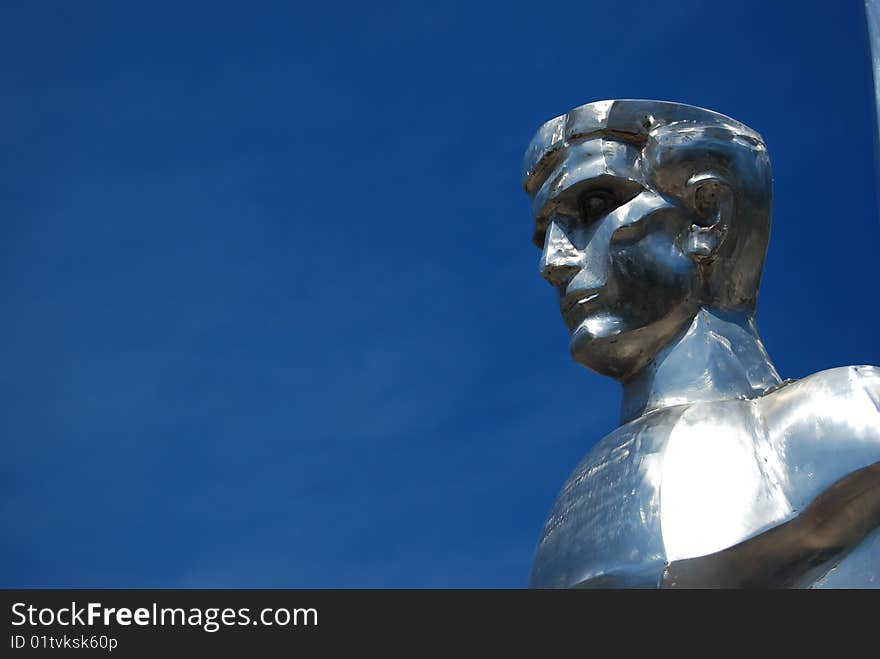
{"x":654,"y":219}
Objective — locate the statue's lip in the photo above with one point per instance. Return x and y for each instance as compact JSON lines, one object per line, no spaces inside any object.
{"x":577,"y":303}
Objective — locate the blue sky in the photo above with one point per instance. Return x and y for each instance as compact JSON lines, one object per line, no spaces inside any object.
{"x":273,"y":316}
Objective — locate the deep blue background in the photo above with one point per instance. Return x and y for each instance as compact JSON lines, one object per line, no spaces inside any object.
{"x":272,"y":313}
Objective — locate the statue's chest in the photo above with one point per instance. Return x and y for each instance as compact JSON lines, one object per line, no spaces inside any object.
{"x":721,"y":480}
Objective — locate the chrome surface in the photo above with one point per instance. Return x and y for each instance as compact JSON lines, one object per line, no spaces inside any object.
{"x":653,"y":219}
{"x":872,"y":16}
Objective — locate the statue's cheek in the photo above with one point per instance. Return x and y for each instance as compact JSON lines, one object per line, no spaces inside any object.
{"x":653,"y":262}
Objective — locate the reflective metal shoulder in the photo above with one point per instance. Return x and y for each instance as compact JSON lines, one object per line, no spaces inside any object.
{"x":824,"y":427}
{"x":604,"y":529}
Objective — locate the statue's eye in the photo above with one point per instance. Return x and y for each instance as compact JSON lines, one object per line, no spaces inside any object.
{"x":596,"y":204}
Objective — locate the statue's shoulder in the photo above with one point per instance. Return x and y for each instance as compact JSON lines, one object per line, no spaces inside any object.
{"x":844,"y":381}
{"x":604,"y":527}
{"x":845,"y":398}
{"x":824,"y":427}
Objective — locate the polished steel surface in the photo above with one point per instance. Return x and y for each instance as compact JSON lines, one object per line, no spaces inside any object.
{"x":872,"y":16}
{"x":653,"y":219}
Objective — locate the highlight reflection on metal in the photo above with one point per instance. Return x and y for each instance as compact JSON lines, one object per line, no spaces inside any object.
{"x":654,"y":219}
{"x":872,"y":16}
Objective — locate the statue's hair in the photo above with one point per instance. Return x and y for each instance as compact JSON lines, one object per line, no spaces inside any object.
{"x":627,"y":120}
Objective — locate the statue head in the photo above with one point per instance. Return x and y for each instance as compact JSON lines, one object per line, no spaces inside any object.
{"x":646,"y":211}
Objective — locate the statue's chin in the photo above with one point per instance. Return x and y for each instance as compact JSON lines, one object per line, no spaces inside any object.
{"x":599,"y":343}
{"x":612,"y":346}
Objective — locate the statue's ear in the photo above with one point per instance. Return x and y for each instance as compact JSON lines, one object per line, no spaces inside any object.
{"x":711,"y":199}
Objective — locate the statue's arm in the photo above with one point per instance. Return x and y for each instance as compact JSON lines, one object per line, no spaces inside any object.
{"x":837,"y":520}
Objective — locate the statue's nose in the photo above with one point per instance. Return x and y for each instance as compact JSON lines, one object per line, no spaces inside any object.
{"x":560,"y":259}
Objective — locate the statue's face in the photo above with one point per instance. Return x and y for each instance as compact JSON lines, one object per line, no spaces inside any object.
{"x":619,"y":253}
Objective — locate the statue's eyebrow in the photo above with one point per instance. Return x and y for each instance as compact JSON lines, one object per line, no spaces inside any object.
{"x":611,"y":163}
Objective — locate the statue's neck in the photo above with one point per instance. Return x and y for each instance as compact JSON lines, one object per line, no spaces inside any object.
{"x":719,"y":356}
